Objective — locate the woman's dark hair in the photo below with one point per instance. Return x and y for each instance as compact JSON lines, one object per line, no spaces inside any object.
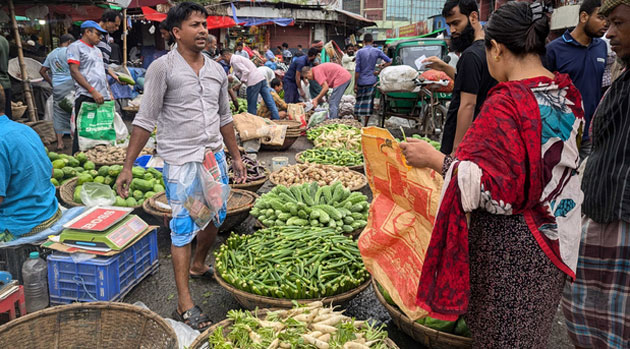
{"x":466,"y":7}
{"x":110,"y":16}
{"x":516,"y":26}
{"x":275,"y":82}
{"x":182,"y":12}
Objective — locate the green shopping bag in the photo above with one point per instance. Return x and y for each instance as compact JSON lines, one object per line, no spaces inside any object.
{"x":95,"y":124}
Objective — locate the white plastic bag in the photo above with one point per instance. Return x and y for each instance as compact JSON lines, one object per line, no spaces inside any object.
{"x":398,"y":78}
{"x":97,"y":194}
{"x":48,"y":112}
{"x":122,"y":133}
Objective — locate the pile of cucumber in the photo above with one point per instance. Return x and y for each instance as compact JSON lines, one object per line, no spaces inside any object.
{"x":291,"y":262}
{"x":312,"y":205}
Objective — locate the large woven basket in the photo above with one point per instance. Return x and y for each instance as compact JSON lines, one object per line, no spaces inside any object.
{"x":274,"y":177}
{"x":251,"y":301}
{"x":201,"y":342}
{"x":66,"y":192}
{"x":429,"y":337}
{"x":18,"y":112}
{"x":252,"y":186}
{"x":240,"y":202}
{"x":358,"y":168}
{"x":89,"y":325}
{"x":288,"y":142}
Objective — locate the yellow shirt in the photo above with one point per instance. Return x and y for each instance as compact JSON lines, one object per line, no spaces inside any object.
{"x":280,"y":104}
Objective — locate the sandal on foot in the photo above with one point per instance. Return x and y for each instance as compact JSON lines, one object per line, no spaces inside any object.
{"x":193,"y":317}
{"x":207,"y":275}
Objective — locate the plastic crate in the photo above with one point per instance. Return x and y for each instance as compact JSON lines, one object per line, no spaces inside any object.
{"x":12,"y":258}
{"x":101,"y":278}
{"x":143,"y":160}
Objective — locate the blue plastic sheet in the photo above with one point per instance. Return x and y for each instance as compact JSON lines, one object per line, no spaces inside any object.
{"x":56,"y":229}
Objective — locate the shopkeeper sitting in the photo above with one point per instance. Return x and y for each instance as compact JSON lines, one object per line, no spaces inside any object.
{"x":27,"y":197}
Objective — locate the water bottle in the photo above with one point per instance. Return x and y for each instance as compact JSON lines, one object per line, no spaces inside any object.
{"x":35,"y":276}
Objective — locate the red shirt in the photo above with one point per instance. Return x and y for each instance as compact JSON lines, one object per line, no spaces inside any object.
{"x":332,"y":73}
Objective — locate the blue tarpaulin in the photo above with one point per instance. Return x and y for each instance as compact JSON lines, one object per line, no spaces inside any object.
{"x":252,"y":21}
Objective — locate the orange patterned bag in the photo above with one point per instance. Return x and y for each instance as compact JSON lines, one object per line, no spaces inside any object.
{"x":401,"y":218}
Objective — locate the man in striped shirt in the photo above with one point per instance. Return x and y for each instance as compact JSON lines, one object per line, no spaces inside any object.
{"x":597,"y":305}
{"x":110,"y":21}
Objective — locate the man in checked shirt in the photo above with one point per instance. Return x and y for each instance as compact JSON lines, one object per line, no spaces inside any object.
{"x":186,"y":96}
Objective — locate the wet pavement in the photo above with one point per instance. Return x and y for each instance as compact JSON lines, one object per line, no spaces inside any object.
{"x":158,"y":291}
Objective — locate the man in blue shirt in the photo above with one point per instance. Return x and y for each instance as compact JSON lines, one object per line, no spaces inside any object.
{"x":582,"y":54}
{"x":27,"y":197}
{"x":364,"y":77}
{"x":292,"y":80}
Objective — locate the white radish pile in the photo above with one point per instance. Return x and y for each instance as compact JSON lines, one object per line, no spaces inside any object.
{"x":307,"y":326}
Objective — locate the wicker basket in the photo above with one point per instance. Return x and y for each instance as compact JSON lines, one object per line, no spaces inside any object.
{"x":66,"y":192}
{"x":358,"y":168}
{"x":201,"y":342}
{"x":89,"y":325}
{"x":288,"y":142}
{"x":427,"y":336}
{"x":273,"y":178}
{"x":251,"y":301}
{"x":18,"y":112}
{"x":254,"y":185}
{"x":240,"y":202}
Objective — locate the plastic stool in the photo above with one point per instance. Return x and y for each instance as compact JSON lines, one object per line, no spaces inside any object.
{"x":16,"y":299}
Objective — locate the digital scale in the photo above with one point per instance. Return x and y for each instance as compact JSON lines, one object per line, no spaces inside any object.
{"x":103,"y":228}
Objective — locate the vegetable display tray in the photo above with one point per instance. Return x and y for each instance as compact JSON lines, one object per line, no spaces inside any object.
{"x":101,"y":278}
{"x":250,"y":301}
{"x":427,"y":336}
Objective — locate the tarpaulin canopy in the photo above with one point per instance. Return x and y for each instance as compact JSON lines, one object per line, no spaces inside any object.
{"x":252,"y":21}
{"x":214,"y":22}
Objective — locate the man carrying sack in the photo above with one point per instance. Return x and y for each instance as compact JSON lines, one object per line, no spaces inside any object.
{"x":86,"y":68}
{"x":186,"y":97}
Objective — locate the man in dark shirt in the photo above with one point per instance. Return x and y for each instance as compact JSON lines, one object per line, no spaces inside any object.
{"x":473,"y":80}
{"x":596,"y":304}
{"x":110,"y":21}
{"x":582,"y":54}
{"x":292,"y":80}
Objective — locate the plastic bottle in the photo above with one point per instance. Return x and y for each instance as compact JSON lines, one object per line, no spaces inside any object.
{"x":35,"y":276}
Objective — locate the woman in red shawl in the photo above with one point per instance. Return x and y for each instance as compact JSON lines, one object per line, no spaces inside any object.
{"x":508,"y":228}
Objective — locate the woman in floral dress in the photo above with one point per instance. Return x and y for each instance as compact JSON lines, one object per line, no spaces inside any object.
{"x":508,"y":228}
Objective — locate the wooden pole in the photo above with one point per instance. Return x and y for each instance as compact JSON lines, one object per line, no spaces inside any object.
{"x":32,"y":112}
{"x":125,"y":38}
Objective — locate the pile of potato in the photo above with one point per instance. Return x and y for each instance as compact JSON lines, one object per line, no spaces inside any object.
{"x":322,"y":174}
{"x":104,"y":154}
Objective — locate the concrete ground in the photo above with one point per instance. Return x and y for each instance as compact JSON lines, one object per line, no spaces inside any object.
{"x":158,"y":291}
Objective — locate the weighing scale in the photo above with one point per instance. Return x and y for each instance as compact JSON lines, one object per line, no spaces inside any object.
{"x":103,"y":228}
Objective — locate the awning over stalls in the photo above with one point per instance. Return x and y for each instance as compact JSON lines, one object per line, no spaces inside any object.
{"x":214,"y":22}
{"x":252,"y":21}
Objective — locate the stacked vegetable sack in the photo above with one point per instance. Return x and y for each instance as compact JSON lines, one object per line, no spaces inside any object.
{"x":458,"y":327}
{"x":308,"y":326}
{"x":291,"y":262}
{"x":312,"y":205}
{"x":335,"y":144}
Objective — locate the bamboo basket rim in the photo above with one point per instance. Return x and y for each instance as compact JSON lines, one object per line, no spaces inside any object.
{"x":452,"y":340}
{"x":253,"y":183}
{"x":203,"y":337}
{"x":66,"y":192}
{"x":150,"y":207}
{"x":147,"y":314}
{"x":364,"y":180}
{"x":288,"y":303}
{"x":353,"y":167}
{"x":288,"y":142}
